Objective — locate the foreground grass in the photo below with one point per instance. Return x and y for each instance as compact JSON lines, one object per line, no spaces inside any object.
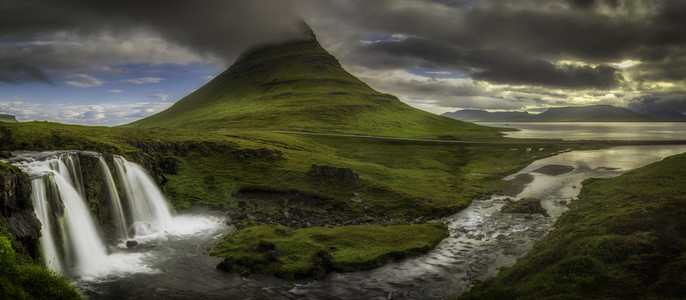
{"x":313,"y":252}
{"x":21,"y":278}
{"x":625,"y":238}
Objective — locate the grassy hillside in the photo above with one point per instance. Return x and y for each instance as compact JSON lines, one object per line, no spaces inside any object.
{"x":299,"y":86}
{"x":625,"y":238}
{"x":396,"y":177}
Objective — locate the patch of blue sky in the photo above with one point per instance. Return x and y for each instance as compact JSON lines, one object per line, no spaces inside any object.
{"x":120,"y":84}
{"x":431,"y":73}
{"x":383,"y":37}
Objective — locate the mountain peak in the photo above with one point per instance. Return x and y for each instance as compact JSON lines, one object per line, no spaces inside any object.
{"x":298,"y":86}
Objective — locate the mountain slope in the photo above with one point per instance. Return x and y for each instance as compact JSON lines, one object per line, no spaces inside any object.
{"x":298,"y":86}
{"x":594,"y":113}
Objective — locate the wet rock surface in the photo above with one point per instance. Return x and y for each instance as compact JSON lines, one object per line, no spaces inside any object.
{"x":17,"y":210}
{"x":554,"y":170}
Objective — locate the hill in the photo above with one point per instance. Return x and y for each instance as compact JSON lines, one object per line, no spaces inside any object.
{"x":624,"y":238}
{"x":299,"y":86}
{"x":7,"y":118}
{"x":594,"y":113}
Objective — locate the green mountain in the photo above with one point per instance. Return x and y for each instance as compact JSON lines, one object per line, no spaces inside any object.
{"x":299,"y":86}
{"x":593,"y":113}
{"x":8,"y":118}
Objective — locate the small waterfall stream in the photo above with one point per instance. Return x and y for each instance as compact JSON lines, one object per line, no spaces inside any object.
{"x":117,"y":210}
{"x":150,"y":210}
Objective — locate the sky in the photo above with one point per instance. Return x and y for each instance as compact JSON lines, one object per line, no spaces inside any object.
{"x":112,"y":62}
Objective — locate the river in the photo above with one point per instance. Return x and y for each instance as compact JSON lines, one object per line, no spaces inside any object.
{"x":176,"y":264}
{"x":652,"y":131}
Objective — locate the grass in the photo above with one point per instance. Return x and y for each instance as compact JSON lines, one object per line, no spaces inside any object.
{"x":405,"y":178}
{"x":298,"y":86}
{"x":22,"y":278}
{"x":313,"y":252}
{"x":624,"y":238}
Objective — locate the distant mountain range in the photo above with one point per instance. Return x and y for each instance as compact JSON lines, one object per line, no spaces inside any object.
{"x":595,"y":113}
{"x":8,"y":118}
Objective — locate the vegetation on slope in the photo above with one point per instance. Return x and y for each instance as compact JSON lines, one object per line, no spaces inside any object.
{"x":298,"y":86}
{"x":397,"y":177}
{"x":21,"y":278}
{"x":316,"y":251}
{"x":624,"y":238}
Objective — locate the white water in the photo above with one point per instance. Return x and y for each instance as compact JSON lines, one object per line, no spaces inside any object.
{"x":149,"y":208}
{"x":82,"y":233}
{"x":43,"y":211}
{"x":117,"y":211}
{"x":71,"y":240}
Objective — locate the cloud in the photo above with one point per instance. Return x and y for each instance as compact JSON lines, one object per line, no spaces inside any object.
{"x":16,"y":72}
{"x":84,"y":81}
{"x":160,"y":96}
{"x":114,"y":91}
{"x":142,"y":80}
{"x":109,"y":114}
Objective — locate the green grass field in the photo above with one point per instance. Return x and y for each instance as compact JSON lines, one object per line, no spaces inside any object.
{"x":313,"y":252}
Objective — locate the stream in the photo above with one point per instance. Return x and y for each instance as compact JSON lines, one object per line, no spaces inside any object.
{"x":175,"y":263}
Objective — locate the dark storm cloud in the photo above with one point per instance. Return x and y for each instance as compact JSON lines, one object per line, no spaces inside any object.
{"x":538,"y":32}
{"x":15,"y":72}
{"x":496,"y":66}
{"x":209,"y":27}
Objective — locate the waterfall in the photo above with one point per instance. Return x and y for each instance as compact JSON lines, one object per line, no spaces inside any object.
{"x":117,"y":211}
{"x":71,"y":240}
{"x":43,"y":211}
{"x":149,"y":208}
{"x":82,"y":233}
{"x":74,"y":166}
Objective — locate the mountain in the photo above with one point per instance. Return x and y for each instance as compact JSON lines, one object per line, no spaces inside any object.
{"x":594,"y":113}
{"x":7,"y":118}
{"x":475,"y":115}
{"x":299,"y":86}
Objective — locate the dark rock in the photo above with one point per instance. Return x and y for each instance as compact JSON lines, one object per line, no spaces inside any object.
{"x":242,"y":203}
{"x":346,"y":174}
{"x":271,"y":256}
{"x":525,"y":206}
{"x":226,"y":265}
{"x":131,"y":244}
{"x":265,"y":245}
{"x":17,"y":210}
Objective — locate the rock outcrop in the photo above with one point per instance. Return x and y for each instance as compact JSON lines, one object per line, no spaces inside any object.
{"x":16,"y":209}
{"x":346,"y":174}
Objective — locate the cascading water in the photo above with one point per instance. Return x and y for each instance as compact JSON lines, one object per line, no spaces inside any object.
{"x":149,"y":209}
{"x":117,"y":211}
{"x":71,"y":239}
{"x":43,"y":211}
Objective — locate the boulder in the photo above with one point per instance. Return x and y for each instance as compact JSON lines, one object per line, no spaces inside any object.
{"x":131,"y":244}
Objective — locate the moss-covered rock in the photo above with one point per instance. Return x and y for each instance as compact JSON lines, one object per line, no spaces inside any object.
{"x":524,"y":206}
